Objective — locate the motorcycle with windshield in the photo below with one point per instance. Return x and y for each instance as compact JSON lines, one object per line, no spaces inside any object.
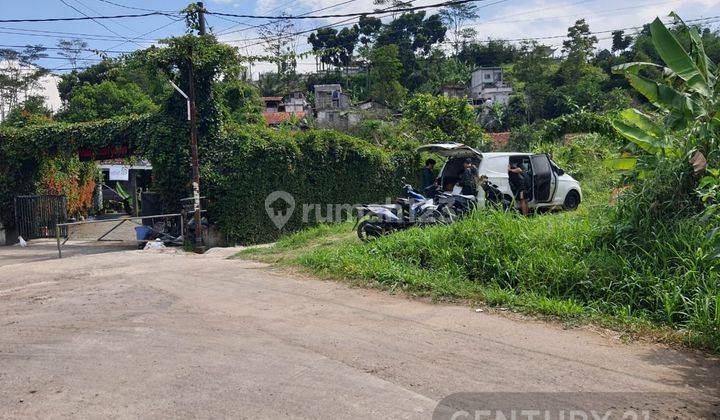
{"x":411,"y":209}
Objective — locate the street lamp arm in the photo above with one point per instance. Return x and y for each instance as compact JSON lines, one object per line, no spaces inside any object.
{"x":180,"y":91}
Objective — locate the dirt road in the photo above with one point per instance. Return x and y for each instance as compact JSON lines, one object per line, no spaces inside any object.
{"x":139,"y":334}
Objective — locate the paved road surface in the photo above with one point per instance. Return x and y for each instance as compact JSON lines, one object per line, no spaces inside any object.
{"x":158,"y":335}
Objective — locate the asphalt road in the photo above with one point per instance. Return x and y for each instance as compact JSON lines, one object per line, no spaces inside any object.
{"x":165,"y":335}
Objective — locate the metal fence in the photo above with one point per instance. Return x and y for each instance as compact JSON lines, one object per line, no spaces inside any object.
{"x":37,"y":215}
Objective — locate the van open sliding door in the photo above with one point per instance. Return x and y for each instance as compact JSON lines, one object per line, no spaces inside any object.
{"x":544,"y":182}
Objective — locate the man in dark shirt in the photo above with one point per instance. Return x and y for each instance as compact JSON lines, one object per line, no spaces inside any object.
{"x":467,"y":179}
{"x":428,"y":174}
{"x":518,"y":186}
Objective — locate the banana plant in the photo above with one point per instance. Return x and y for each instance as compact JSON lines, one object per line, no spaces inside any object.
{"x":685,"y":102}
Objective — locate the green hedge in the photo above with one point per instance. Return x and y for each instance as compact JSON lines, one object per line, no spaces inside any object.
{"x":316,"y":167}
{"x":549,"y":131}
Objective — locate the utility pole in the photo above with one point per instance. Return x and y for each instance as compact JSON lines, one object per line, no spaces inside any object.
{"x":201,"y":17}
{"x":194,"y":150}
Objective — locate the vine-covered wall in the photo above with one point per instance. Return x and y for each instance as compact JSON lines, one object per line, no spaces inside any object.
{"x":25,"y":152}
{"x":244,"y":165}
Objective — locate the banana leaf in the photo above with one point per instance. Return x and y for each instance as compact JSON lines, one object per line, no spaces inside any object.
{"x":677,"y":59}
{"x":621,"y":164}
{"x":637,"y":118}
{"x":665,"y":97}
{"x":638,"y":136}
{"x":635,"y":67}
{"x":697,"y":52}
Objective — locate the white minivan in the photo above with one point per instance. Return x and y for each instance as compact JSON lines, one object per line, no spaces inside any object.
{"x":551,"y":187}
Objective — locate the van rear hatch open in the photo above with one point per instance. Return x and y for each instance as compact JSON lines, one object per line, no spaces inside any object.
{"x":450,"y":150}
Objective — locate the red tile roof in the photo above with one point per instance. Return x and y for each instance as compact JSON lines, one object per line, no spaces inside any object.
{"x":274,"y":118}
{"x":499,"y":139}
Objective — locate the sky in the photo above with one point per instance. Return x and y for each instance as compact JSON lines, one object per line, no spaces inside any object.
{"x":499,"y":19}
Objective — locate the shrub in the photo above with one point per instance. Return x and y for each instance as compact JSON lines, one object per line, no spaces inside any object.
{"x":316,"y":167}
{"x":68,"y":176}
{"x":438,"y":119}
{"x":553,"y":131}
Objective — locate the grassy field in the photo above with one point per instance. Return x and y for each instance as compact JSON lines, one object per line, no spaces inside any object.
{"x":566,"y":265}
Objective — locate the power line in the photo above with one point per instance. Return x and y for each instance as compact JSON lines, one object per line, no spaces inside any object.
{"x":58,"y":48}
{"x":59,"y":34}
{"x":304,"y":14}
{"x":148,"y":33}
{"x":238,"y":23}
{"x":388,"y":11}
{"x":69,"y":19}
{"x":65,"y":58}
{"x":96,"y":21}
{"x":578,"y":15}
{"x":137,"y":8}
{"x":95,"y":11}
{"x":340,"y":15}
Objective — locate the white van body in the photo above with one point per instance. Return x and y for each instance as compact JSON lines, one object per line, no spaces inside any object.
{"x":551,"y":186}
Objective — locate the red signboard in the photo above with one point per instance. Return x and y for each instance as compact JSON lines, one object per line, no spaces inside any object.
{"x":102,"y":153}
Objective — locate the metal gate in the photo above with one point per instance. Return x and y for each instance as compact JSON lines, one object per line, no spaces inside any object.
{"x":37,"y":215}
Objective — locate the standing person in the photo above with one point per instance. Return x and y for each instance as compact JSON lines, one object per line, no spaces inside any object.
{"x":428,"y":174}
{"x":467,"y":178}
{"x":518,"y":186}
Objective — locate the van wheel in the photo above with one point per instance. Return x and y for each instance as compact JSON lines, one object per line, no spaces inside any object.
{"x":572,"y":200}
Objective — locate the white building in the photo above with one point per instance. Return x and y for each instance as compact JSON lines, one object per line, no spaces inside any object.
{"x":47,"y":87}
{"x":487,"y":86}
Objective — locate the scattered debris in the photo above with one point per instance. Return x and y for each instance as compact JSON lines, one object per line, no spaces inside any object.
{"x":23,"y":243}
{"x":699,"y":163}
{"x":156,"y":244}
{"x":479,"y":310}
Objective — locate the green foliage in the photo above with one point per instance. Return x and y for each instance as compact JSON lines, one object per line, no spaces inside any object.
{"x":31,"y":112}
{"x":439,"y":119}
{"x":240,"y":102}
{"x":685,"y":123}
{"x":385,"y":73}
{"x":67,"y":175}
{"x":440,"y":70}
{"x":709,"y":193}
{"x":105,"y":100}
{"x":579,"y":47}
{"x":493,"y":53}
{"x":333,"y":47}
{"x":560,"y":258}
{"x":554,"y":130}
{"x":317,"y":167}
{"x":211,"y":61}
{"x":382,"y":133}
{"x":686,"y":100}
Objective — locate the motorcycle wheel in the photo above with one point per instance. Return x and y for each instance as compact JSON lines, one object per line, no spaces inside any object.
{"x":432,"y":217}
{"x":367,"y":231}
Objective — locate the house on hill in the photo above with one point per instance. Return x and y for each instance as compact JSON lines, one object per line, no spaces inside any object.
{"x":331,"y":106}
{"x":487,"y":87}
{"x":454,"y":91}
{"x":280,"y":109}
